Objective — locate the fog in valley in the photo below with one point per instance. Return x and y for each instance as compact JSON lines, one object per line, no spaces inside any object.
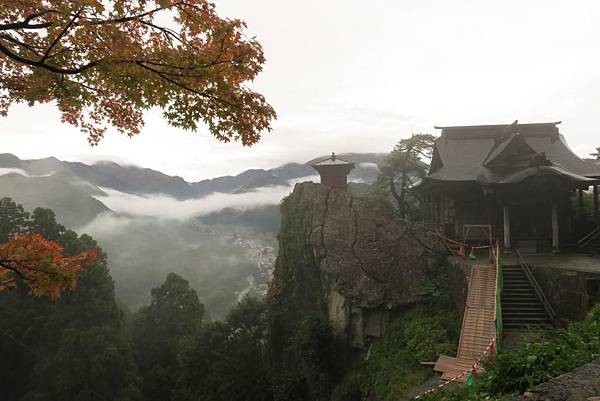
{"x":223,"y":243}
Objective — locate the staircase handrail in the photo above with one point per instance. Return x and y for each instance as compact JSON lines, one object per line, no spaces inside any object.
{"x":536,"y":286}
{"x":595,"y":233}
{"x":496,"y":256}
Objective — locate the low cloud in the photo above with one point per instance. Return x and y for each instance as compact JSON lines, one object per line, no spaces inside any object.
{"x":143,"y":250}
{"x":368,"y":165}
{"x":5,"y":170}
{"x":166,"y":207}
{"x":106,"y":224}
{"x":9,"y":170}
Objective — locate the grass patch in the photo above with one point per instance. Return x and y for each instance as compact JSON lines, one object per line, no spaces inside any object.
{"x":422,"y":333}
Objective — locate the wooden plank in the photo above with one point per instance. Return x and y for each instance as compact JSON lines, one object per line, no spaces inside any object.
{"x":478,"y":326}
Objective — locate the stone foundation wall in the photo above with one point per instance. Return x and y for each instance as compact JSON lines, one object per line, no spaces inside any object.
{"x":582,"y":384}
{"x":566,"y":290}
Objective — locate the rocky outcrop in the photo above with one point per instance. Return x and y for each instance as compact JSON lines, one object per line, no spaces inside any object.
{"x":582,"y":384}
{"x":347,"y":258}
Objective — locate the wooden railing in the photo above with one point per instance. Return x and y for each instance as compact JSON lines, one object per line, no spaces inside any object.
{"x":538,"y":290}
{"x":594,"y":234}
{"x":497,"y":260}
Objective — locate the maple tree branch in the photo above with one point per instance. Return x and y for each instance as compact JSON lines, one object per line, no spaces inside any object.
{"x":98,"y":21}
{"x":195,"y":67}
{"x":183,"y":86}
{"x":17,"y":42}
{"x":92,"y":88}
{"x":169,"y":33}
{"x":40,"y":14}
{"x":41,"y":64}
{"x":7,"y":282}
{"x":60,"y":35}
{"x":7,"y":266}
{"x":6,"y":263}
{"x":25,"y":24}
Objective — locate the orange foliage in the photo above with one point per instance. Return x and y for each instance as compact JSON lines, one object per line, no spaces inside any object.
{"x":40,"y":264}
{"x":105,"y":63}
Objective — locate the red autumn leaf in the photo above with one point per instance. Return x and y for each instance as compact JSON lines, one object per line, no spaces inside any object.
{"x":40,"y":263}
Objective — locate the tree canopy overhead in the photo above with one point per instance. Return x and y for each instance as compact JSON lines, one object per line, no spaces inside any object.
{"x":104,"y":63}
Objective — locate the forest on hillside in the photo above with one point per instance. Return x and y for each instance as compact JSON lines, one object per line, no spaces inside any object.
{"x":84,"y":347}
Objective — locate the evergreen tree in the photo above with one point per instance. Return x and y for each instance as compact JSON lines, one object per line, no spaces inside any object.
{"x":227,"y":361}
{"x":71,"y":349}
{"x":174,"y":314}
{"x":12,"y":218}
{"x":406,"y":163}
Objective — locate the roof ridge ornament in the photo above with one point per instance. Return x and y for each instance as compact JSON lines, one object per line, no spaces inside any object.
{"x":539,"y":160}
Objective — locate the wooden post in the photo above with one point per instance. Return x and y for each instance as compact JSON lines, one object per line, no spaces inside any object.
{"x":581,"y":209}
{"x":596,"y":207}
{"x":506,"y":214}
{"x":555,"y":239}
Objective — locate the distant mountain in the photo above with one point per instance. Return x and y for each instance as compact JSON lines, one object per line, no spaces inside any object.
{"x":595,"y":161}
{"x":69,"y":197}
{"x":106,"y":174}
{"x":365,"y":172}
{"x":137,"y":180}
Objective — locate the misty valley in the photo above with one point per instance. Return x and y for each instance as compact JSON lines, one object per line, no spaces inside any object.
{"x":218,"y":234}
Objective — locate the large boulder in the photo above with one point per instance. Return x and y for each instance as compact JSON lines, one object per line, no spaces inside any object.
{"x":582,"y":384}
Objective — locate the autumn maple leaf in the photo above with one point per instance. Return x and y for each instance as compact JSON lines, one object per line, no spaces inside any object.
{"x":105,"y":63}
{"x":41,"y":265}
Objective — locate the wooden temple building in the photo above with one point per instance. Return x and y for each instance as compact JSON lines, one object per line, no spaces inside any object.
{"x":519,"y":182}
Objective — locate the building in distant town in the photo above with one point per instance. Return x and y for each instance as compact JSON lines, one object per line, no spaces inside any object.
{"x":517,"y":179}
{"x":334,"y":171}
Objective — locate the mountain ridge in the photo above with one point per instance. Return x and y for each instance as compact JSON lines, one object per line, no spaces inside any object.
{"x":141,"y":180}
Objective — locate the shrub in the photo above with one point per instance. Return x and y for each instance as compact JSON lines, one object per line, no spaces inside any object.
{"x":539,"y":361}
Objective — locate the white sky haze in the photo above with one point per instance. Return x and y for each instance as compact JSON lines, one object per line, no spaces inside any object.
{"x":356,"y":76}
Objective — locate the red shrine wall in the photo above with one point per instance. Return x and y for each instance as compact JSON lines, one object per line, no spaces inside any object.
{"x":335,"y":181}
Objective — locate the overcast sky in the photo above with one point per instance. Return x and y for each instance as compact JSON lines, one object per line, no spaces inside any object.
{"x":356,"y":76}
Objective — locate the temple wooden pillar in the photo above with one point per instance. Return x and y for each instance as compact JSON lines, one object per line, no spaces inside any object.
{"x":596,"y":207}
{"x":581,"y":207}
{"x":506,"y":218}
{"x":555,"y":228}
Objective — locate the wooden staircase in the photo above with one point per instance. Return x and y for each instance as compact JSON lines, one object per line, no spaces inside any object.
{"x":478,"y":327}
{"x":593,"y":247}
{"x":590,"y":244}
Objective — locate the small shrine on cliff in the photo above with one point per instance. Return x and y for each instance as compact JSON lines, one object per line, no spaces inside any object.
{"x":334,"y":171}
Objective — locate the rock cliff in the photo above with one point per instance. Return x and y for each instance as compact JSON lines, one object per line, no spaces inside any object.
{"x":343,"y":257}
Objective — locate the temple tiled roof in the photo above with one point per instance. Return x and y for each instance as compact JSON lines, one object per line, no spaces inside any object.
{"x":496,"y":154}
